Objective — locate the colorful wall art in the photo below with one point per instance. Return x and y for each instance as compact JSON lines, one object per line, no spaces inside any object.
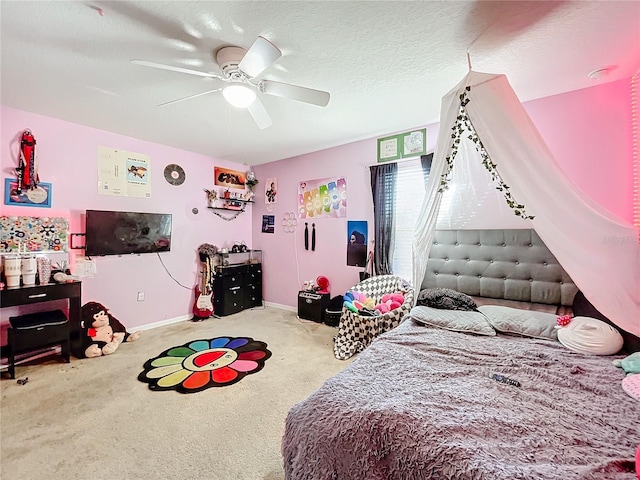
{"x":323,"y":198}
{"x":224,"y":177}
{"x":33,"y":234}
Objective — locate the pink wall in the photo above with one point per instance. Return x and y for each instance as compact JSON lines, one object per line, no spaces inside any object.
{"x":589,"y":132}
{"x":284,"y":252}
{"x":68,"y":160}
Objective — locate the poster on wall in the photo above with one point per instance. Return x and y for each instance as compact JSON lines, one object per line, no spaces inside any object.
{"x":270,"y":190}
{"x":323,"y":198}
{"x":123,"y":174}
{"x":34,"y":234}
{"x":402,"y":145}
{"x":357,"y":243}
{"x":268,"y":224}
{"x":225,"y":177}
{"x":35,"y":197}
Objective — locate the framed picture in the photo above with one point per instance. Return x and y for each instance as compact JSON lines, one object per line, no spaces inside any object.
{"x":389,"y":149}
{"x":357,"y":243}
{"x":224,"y":177}
{"x":268,"y":223}
{"x":37,"y":197}
{"x":270,"y":191}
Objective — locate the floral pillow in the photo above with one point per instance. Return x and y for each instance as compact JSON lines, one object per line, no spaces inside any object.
{"x":446,"y":299}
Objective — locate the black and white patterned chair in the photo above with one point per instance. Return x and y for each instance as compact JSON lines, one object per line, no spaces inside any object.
{"x":356,"y":332}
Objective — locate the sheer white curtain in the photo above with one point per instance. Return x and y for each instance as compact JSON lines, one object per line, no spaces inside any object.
{"x":600,"y":252}
{"x":410,"y":189}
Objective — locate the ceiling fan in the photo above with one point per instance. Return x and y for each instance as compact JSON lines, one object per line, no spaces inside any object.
{"x":239,"y":69}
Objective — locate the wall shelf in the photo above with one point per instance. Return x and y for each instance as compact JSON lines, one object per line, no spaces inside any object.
{"x":240,"y":207}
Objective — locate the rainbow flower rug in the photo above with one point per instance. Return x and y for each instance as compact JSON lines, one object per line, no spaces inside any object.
{"x":201,"y":364}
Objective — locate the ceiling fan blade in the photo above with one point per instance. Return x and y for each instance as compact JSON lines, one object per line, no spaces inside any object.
{"x":295,"y":92}
{"x":259,"y":57}
{"x":187,"y":98}
{"x":171,"y":68}
{"x":259,"y":114}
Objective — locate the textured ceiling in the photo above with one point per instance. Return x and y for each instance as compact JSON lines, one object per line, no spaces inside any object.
{"x":386,"y":64}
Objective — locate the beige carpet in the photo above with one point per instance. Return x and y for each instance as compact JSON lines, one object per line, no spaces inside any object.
{"x":92,"y":418}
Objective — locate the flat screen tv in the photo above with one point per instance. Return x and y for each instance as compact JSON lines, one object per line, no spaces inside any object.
{"x":122,"y":233}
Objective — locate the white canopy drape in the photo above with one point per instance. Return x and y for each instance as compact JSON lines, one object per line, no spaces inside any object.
{"x":599,"y":251}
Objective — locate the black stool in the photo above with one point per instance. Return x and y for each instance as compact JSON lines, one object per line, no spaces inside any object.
{"x":37,"y":330}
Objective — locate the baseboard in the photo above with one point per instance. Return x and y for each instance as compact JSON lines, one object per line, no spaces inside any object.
{"x":289,"y":308}
{"x":161,"y":323}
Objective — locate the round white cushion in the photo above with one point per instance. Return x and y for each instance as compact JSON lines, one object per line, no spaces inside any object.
{"x":590,"y":335}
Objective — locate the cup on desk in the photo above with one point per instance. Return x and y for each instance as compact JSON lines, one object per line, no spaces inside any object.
{"x":29,"y":267}
{"x":12,"y":270}
{"x":44,"y":270}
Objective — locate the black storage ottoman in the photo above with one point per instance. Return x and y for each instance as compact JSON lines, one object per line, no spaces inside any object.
{"x":35,"y":331}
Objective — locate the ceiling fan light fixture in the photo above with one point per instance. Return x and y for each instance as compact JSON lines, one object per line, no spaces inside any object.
{"x":239,"y":96}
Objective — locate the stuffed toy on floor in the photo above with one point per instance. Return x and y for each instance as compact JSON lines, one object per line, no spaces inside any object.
{"x":102,"y":333}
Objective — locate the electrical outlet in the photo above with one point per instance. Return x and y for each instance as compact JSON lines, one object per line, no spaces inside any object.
{"x":141,"y":296}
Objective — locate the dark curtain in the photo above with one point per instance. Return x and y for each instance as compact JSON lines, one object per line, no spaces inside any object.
{"x":383,"y":187}
{"x":426,"y":160}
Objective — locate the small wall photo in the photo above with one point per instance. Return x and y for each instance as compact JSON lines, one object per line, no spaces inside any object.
{"x":270,"y":190}
{"x":357,"y":243}
{"x":268,"y":223}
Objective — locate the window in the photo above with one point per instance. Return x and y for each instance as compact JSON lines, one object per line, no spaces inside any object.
{"x":410,"y":189}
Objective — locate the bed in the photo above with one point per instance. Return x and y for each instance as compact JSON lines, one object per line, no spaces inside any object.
{"x":423,"y":402}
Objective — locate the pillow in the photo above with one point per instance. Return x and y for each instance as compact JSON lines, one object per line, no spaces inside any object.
{"x":446,"y":298}
{"x":527,"y":323}
{"x":631,"y":385}
{"x":583,"y":308}
{"x":590,"y":335}
{"x":456,"y":321}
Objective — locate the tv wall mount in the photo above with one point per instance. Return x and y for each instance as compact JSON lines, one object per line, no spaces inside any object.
{"x":76,"y":247}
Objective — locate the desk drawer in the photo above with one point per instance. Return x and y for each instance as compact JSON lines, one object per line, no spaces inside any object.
{"x":39,"y":293}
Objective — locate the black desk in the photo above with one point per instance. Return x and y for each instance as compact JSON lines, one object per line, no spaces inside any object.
{"x":17,"y":296}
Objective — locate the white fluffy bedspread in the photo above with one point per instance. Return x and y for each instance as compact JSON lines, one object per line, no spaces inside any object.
{"x":419,"y":403}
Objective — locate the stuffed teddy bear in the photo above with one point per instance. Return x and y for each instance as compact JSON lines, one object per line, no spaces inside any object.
{"x":102,"y":333}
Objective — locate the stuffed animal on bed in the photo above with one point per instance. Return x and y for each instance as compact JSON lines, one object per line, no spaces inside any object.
{"x":102,"y":333}
{"x":630,"y":364}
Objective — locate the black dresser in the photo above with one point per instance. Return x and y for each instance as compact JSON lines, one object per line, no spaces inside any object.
{"x":236,"y":288}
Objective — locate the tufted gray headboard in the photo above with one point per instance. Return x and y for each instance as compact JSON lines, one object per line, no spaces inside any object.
{"x":501,"y":264}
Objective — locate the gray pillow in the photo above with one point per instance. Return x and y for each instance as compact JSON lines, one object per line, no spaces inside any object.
{"x":454,"y":320}
{"x":446,"y":298}
{"x":527,"y":323}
